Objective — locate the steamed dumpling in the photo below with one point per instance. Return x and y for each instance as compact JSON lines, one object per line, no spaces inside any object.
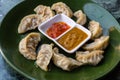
{"x":61,"y":7}
{"x":27,"y":45}
{"x":95,"y":29}
{"x":44,"y":56}
{"x":44,"y":12}
{"x":64,"y":62}
{"x":89,"y":57}
{"x":40,"y":9}
{"x":29,"y":22}
{"x":81,"y":17}
{"x":98,"y":44}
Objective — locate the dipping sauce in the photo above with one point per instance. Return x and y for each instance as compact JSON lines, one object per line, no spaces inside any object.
{"x":57,"y":29}
{"x":72,"y":38}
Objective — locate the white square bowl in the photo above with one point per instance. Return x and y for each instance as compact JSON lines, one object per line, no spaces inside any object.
{"x":63,"y":18}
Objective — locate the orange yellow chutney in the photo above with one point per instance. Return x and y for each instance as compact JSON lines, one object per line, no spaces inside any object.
{"x":72,"y":38}
{"x":57,"y":29}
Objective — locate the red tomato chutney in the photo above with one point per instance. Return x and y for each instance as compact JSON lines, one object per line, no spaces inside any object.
{"x":57,"y":29}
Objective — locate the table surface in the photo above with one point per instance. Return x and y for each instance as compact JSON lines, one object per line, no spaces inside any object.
{"x":7,"y":73}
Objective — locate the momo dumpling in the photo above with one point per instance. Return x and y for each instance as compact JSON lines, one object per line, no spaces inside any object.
{"x":44,"y":56}
{"x":64,"y":62}
{"x":27,"y":45}
{"x":81,"y":17}
{"x":40,"y":9}
{"x":89,"y":57}
{"x":61,"y":7}
{"x":95,"y":28}
{"x":44,"y":12}
{"x":29,"y":22}
{"x":98,"y":44}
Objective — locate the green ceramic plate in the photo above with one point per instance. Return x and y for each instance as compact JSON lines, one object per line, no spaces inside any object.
{"x":9,"y":40}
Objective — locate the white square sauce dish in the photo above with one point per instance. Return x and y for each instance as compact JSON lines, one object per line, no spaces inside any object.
{"x":66,"y":33}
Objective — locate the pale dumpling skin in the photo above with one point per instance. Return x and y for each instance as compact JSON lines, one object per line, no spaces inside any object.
{"x":29,"y":22}
{"x":81,"y":17}
{"x":27,"y":46}
{"x":98,"y":44}
{"x":44,"y":56}
{"x":89,"y":57}
{"x":40,"y":9}
{"x":64,"y":62}
{"x":44,"y":12}
{"x":95,"y":28}
{"x":61,"y":7}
